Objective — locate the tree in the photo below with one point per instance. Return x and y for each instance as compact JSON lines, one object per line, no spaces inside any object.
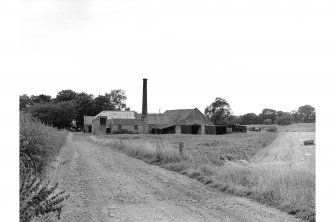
{"x":218,"y":111}
{"x":118,"y":99}
{"x":268,"y":114}
{"x":307,"y":113}
{"x":296,"y":118}
{"x":279,"y":113}
{"x":249,"y":118}
{"x":60,"y":115}
{"x":84,"y":107}
{"x":284,"y":119}
{"x":41,"y":99}
{"x":267,"y":122}
{"x":115,"y":100}
{"x":102,"y":102}
{"x":66,"y":95}
{"x":233,"y":119}
{"x":25,"y":101}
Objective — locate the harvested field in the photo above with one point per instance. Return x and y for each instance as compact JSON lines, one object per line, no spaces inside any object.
{"x":299,"y":127}
{"x":237,"y":146}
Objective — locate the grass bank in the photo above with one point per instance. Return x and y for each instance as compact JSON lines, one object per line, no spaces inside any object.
{"x":222,"y":162}
{"x":39,"y":146}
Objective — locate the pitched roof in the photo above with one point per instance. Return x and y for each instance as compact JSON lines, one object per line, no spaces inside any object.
{"x":158,"y":118}
{"x":116,"y":114}
{"x":177,"y":115}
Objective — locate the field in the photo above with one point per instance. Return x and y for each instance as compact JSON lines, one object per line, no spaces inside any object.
{"x":299,"y":127}
{"x":241,"y":164}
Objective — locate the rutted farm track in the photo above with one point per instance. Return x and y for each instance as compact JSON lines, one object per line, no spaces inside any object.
{"x":288,"y":149}
{"x":109,"y":186}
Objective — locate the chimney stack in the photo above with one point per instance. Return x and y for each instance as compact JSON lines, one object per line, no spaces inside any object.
{"x":144,"y":100}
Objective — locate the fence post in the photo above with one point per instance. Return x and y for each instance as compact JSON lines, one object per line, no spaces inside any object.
{"x":181,"y":148}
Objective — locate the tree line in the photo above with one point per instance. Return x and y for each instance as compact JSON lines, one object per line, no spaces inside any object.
{"x":68,"y":108}
{"x":220,"y":113}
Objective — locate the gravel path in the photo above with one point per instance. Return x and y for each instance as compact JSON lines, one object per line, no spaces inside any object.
{"x":109,"y":186}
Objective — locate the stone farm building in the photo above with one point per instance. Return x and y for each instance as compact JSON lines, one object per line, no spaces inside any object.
{"x":179,"y":121}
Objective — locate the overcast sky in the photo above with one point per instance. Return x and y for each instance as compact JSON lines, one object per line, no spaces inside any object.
{"x":256,"y":54}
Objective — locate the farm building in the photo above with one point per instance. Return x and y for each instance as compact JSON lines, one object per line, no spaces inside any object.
{"x":179,"y":121}
{"x":116,"y":122}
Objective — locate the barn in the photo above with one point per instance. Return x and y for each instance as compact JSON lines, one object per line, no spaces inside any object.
{"x":180,"y":121}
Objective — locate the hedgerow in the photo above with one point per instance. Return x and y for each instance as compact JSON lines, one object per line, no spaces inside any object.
{"x":39,"y":146}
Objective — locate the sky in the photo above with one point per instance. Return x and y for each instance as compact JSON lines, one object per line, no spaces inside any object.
{"x":255,"y":54}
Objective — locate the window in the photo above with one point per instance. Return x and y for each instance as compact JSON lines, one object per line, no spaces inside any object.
{"x":120,"y":128}
{"x":103,"y":120}
{"x":136,"y":127}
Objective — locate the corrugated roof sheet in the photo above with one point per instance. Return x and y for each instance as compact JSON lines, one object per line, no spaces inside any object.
{"x":117,"y":114}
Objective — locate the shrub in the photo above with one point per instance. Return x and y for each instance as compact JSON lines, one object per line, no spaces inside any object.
{"x":39,"y":198}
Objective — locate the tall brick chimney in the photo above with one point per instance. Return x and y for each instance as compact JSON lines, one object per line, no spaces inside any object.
{"x":144,"y":100}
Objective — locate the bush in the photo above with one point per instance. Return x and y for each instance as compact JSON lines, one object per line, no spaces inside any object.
{"x":267,"y":122}
{"x":39,"y":198}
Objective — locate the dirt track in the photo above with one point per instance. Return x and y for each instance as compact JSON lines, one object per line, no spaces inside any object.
{"x":108,"y":186}
{"x":288,"y":149}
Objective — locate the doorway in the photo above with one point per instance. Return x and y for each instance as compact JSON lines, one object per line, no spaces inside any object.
{"x":196,"y":129}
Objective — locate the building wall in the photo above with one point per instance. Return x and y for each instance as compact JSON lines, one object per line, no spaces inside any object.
{"x":97,"y":128}
{"x":87,"y":128}
{"x":197,"y":118}
{"x":101,"y":129}
{"x":130,"y":128}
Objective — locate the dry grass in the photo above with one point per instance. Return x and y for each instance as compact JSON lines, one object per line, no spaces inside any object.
{"x":291,"y":190}
{"x":39,"y":144}
{"x":143,"y":149}
{"x":222,"y":163}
